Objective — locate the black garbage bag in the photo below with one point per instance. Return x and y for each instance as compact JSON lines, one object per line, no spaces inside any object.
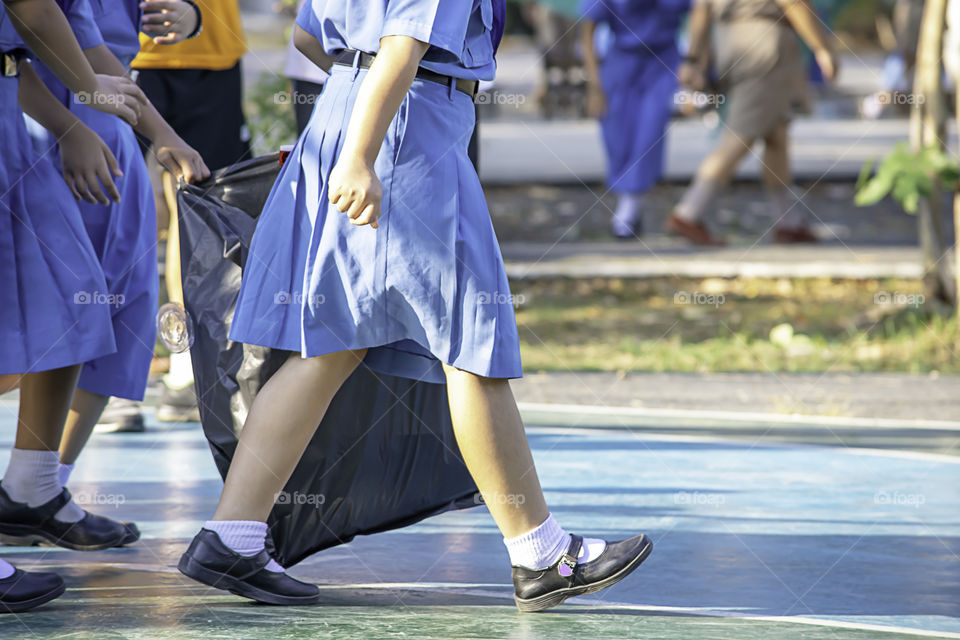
{"x":384,"y":455}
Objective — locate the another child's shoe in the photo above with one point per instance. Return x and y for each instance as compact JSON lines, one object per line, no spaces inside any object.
{"x":210,"y":561}
{"x":23,"y":590}
{"x":695,"y":232}
{"x":25,"y":525}
{"x":545,"y":588}
{"x":178,"y":405}
{"x":793,"y":235}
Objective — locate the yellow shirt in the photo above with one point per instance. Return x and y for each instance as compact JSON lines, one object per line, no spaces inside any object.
{"x":219,"y":46}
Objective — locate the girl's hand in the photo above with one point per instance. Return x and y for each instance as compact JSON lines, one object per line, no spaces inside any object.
{"x":116,"y":95}
{"x":355,"y":190}
{"x":596,"y":101}
{"x":692,"y":76}
{"x":87,"y":161}
{"x":827,"y":63}
{"x":180,"y":159}
{"x":168,"y":21}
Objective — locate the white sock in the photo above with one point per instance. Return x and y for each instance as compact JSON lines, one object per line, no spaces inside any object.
{"x":697,"y":199}
{"x":34,"y":477}
{"x":543,"y":546}
{"x":246,"y":537}
{"x":181,"y":371}
{"x":787,"y":210}
{"x":64,"y":473}
{"x":6,"y":569}
{"x":629,"y":207}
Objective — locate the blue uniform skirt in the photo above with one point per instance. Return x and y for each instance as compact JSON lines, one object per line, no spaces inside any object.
{"x":124,"y":237}
{"x":639,"y":87}
{"x":51,"y":285}
{"x":428,"y":286}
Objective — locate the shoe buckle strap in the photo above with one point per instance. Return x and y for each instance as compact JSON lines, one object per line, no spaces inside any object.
{"x":568,"y":561}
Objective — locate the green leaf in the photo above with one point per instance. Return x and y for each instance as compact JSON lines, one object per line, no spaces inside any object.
{"x":865,"y":172}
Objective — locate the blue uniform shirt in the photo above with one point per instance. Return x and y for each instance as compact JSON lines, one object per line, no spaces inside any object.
{"x":79,"y":15}
{"x":9,"y":39}
{"x":461,"y":33}
{"x":119,"y":23}
{"x":639,"y":25}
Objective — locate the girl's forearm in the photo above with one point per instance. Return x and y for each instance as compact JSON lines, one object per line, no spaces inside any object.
{"x":311,"y":48}
{"x":381,"y":94}
{"x":45,"y":30}
{"x":802,"y":16}
{"x":41,"y":105}
{"x":590,"y":64}
{"x":699,"y":32}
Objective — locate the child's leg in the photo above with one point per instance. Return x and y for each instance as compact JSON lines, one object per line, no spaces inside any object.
{"x":270,"y":447}
{"x":44,"y":402}
{"x":494,"y":447}
{"x":84,"y":413}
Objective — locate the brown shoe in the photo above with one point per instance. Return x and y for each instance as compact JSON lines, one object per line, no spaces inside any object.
{"x":793,"y":235}
{"x":695,"y":232}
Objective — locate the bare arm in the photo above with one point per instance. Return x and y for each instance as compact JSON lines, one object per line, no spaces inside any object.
{"x":596,"y":99}
{"x":311,"y":48}
{"x":45,"y":30}
{"x":86,"y":160}
{"x":175,"y":154}
{"x":804,"y":20}
{"x":353,"y":185}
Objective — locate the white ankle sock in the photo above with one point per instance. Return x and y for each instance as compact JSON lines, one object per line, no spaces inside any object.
{"x":6,"y":569}
{"x":64,"y":473}
{"x":697,"y":199}
{"x":181,"y":371}
{"x":34,"y":477}
{"x":541,"y":547}
{"x":246,"y":537}
{"x":627,"y":213}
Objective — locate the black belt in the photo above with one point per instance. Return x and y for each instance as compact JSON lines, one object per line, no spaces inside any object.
{"x":469,"y":87}
{"x":11,"y":61}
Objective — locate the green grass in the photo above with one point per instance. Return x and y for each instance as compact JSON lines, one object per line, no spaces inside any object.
{"x":740,"y":325}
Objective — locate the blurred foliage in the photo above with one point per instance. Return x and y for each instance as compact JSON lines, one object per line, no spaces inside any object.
{"x":269,"y":113}
{"x":803,"y":325}
{"x":908,"y":176}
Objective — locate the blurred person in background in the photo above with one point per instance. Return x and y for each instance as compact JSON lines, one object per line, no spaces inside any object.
{"x":760,"y":71}
{"x":197,"y":87}
{"x":631,"y":80}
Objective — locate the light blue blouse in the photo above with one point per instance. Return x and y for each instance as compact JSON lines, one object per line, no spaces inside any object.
{"x":459,"y":32}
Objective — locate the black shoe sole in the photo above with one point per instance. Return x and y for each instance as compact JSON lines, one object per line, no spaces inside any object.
{"x":26,"y":605}
{"x":22,"y":536}
{"x":554,"y":598}
{"x":193,"y":569}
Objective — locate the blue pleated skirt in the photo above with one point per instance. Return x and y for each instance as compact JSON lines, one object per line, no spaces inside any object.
{"x":124,"y":237}
{"x":51,"y":285}
{"x":427,"y":287}
{"x":639,"y":87}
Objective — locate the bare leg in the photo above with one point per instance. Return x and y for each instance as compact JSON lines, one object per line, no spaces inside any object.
{"x":776,"y":161}
{"x":720,"y":165}
{"x":9,"y":382}
{"x":84,"y":414}
{"x":494,"y":447}
{"x":270,"y":447}
{"x":44,"y":402}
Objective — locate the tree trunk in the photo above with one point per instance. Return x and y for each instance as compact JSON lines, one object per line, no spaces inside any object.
{"x":927,"y":128}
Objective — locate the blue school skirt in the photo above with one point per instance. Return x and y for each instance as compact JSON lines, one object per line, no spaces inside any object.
{"x":52,"y":311}
{"x":427,"y":287}
{"x":639,"y":86}
{"x":124,"y":237}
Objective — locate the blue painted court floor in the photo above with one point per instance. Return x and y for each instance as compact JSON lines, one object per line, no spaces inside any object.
{"x":754,"y":538}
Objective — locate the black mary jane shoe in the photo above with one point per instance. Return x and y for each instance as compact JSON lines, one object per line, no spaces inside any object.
{"x":211,"y":562}
{"x":545,"y":588}
{"x":25,"y":525}
{"x":22,"y":591}
{"x":132,"y":533}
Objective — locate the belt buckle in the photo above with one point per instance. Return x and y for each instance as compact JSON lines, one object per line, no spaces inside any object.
{"x":11,"y":65}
